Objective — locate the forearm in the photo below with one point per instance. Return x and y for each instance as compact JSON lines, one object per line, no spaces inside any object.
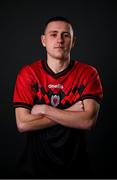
{"x":74,"y":119}
{"x":37,"y":124}
{"x":29,"y":122}
{"x":42,"y":120}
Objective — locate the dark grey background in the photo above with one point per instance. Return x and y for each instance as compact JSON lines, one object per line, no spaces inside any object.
{"x":20,"y":29}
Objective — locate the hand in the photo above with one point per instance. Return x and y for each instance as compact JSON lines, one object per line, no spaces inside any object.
{"x":39,"y":109}
{"x":79,"y":106}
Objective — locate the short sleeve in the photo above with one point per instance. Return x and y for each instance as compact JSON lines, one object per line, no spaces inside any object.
{"x":93,"y":86}
{"x":23,"y":95}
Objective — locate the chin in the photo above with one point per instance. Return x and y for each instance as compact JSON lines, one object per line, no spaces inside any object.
{"x":59,"y":57}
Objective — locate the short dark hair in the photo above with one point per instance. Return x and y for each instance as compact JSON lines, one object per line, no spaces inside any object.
{"x":57,"y":18}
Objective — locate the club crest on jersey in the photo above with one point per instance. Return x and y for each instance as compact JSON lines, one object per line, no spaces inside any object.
{"x":55,"y":100}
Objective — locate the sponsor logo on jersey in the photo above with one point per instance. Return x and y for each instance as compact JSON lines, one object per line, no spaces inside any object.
{"x":55,"y":100}
{"x":56,"y":86}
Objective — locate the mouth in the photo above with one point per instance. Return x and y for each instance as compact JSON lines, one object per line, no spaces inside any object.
{"x":59,"y":47}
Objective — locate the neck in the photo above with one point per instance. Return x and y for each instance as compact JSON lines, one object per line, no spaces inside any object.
{"x":58,"y":65}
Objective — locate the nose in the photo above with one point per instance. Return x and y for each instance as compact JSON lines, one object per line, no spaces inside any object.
{"x":60,"y":38}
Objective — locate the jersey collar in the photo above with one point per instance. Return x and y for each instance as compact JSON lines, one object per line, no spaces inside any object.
{"x":57,"y":75}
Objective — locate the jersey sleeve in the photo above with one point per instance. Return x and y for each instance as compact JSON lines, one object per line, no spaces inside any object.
{"x":23,"y":95}
{"x":93,"y":87}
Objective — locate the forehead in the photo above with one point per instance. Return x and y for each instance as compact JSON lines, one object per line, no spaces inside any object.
{"x":58,"y":26}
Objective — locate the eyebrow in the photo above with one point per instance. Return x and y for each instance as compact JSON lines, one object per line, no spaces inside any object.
{"x":52,"y":31}
{"x":55,"y":31}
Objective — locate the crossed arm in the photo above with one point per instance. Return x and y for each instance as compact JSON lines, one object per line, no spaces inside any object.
{"x":82,"y":114}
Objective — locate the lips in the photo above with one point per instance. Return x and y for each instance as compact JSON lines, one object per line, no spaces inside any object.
{"x":61,"y":47}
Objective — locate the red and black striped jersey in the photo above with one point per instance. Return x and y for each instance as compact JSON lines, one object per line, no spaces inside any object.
{"x":58,"y":149}
{"x":38,"y":84}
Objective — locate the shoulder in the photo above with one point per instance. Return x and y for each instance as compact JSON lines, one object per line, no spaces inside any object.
{"x":28,"y":68}
{"x":84,"y":67}
{"x":36,"y":63}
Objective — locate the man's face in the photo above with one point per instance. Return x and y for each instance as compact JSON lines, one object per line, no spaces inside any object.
{"x":58,"y":39}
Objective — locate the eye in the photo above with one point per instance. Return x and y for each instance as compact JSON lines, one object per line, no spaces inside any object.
{"x":66,"y":35}
{"x":53,"y":35}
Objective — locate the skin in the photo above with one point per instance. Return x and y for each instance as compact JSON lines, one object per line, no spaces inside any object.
{"x":34,"y":120}
{"x":58,"y":41}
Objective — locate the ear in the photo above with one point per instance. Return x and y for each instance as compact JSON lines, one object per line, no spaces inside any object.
{"x":74,"y":40}
{"x":43,"y":40}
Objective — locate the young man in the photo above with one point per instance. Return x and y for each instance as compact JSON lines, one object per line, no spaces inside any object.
{"x":55,"y":101}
